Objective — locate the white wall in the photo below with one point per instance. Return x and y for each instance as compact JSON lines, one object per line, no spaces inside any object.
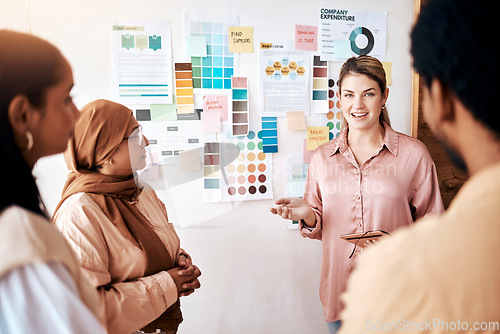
{"x":257,"y":277}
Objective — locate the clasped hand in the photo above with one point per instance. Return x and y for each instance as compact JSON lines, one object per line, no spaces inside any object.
{"x":185,"y":276}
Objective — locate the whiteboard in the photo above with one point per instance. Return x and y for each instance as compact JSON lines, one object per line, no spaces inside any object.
{"x":258,"y":277}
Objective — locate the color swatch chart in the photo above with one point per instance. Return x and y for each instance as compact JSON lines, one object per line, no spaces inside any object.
{"x":215,"y":70}
{"x":240,"y":106}
{"x":211,"y":172}
{"x":141,"y":42}
{"x":320,"y":86}
{"x":249,"y":176}
{"x":184,"y":88}
{"x":270,"y":134}
{"x":333,"y":119}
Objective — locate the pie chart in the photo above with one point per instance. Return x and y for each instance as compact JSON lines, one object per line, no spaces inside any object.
{"x":368,"y":34}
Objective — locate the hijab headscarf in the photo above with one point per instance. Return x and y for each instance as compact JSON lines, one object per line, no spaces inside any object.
{"x":99,"y":131}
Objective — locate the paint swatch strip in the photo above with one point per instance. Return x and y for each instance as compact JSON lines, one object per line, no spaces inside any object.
{"x":240,"y":115}
{"x":184,"y":88}
{"x":270,"y":134}
{"x":211,"y":172}
{"x":320,"y":86}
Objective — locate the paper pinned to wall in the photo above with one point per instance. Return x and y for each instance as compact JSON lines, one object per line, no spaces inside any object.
{"x":362,"y":32}
{"x":296,"y":120}
{"x":196,"y":46}
{"x":284,"y":78}
{"x":316,"y":136}
{"x":189,"y":160}
{"x":216,"y":103}
{"x":306,"y":37}
{"x":138,"y":49}
{"x":240,"y":39}
{"x":388,"y":72}
{"x":215,"y":70}
{"x":211,"y":121}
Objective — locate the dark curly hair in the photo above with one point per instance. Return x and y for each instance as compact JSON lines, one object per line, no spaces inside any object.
{"x":452,"y":42}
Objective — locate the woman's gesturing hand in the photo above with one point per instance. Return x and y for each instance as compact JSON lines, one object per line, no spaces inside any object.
{"x":294,"y":208}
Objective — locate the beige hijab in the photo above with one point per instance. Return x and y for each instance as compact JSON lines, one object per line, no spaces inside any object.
{"x":99,"y":130}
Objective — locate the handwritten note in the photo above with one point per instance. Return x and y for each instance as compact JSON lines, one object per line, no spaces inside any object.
{"x":216,"y":103}
{"x":306,"y":38}
{"x":316,"y":136}
{"x":240,"y":39}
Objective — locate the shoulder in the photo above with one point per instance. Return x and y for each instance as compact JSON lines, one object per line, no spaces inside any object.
{"x":411,"y":146}
{"x":17,"y":218}
{"x":78,"y":209}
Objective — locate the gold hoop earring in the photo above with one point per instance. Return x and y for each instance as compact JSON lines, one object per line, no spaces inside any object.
{"x":29,"y":137}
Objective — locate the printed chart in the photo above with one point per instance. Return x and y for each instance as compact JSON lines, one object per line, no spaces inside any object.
{"x":142,"y":62}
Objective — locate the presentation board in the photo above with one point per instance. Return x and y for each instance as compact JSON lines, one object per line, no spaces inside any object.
{"x":258,"y":276}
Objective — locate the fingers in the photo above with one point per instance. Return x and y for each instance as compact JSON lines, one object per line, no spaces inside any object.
{"x":283,"y":201}
{"x":184,"y":262}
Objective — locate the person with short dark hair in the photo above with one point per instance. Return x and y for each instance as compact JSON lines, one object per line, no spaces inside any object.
{"x":442,"y":275}
{"x":42,"y":289}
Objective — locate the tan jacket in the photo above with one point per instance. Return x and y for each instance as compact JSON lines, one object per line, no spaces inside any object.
{"x":115,"y":265}
{"x":27,"y":238}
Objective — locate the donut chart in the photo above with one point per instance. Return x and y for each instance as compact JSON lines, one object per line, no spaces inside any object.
{"x":361,"y":31}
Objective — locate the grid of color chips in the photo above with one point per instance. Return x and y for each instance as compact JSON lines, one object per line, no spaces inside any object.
{"x":320,"y":86}
{"x":215,"y":70}
{"x":249,"y":175}
{"x":240,"y":115}
{"x":270,"y":134}
{"x":184,"y":88}
{"x":334,"y":116}
{"x":211,"y":172}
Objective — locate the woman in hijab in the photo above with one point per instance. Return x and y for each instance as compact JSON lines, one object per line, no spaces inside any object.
{"x":119,"y":228}
{"x":42,"y":288}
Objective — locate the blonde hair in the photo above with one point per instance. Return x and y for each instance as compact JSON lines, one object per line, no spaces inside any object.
{"x":372,"y":68}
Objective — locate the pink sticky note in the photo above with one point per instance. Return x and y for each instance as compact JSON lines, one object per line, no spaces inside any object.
{"x":306,"y":37}
{"x":210,"y":121}
{"x":218,"y":103}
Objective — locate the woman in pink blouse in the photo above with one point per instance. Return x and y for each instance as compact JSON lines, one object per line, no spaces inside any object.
{"x":369,"y":178}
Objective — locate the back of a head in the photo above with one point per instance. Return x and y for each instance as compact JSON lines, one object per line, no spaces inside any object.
{"x":452,"y":42}
{"x":28,"y":66}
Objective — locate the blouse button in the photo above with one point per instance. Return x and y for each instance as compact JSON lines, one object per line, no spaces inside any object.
{"x":358,"y":197}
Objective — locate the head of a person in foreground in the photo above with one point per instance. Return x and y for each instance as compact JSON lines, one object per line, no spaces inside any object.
{"x":37,"y":113}
{"x":453,"y":52}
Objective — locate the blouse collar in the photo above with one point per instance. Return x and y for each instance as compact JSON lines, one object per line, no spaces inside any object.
{"x":391,"y":141}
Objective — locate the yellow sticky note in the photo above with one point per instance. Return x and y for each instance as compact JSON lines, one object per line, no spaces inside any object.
{"x":316,"y":136}
{"x":296,"y":120}
{"x":240,"y":39}
{"x":388,"y":72}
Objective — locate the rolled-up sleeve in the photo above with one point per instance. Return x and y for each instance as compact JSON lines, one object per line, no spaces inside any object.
{"x":427,"y":199}
{"x":124,"y":306}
